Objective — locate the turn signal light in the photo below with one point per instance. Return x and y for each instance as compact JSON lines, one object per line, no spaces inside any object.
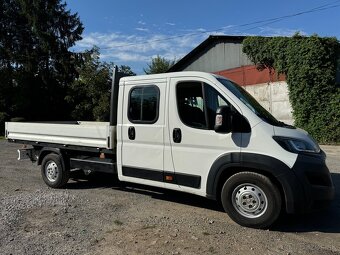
{"x":169,"y":178}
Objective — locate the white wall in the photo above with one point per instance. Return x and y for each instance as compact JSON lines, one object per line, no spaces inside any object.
{"x":274,"y":97}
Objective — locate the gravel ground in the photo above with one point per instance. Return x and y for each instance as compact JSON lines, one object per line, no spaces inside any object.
{"x":98,"y":215}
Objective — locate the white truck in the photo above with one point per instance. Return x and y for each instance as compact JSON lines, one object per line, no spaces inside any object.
{"x":193,"y":132}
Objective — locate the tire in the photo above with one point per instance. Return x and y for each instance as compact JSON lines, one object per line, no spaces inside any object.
{"x":53,"y":172}
{"x":251,"y":200}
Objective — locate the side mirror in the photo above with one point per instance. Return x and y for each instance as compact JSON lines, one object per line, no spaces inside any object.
{"x":223,"y":120}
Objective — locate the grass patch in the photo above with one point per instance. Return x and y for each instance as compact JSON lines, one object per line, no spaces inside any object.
{"x":2,"y":137}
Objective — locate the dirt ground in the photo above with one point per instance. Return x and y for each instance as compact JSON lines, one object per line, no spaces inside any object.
{"x":99,"y":215}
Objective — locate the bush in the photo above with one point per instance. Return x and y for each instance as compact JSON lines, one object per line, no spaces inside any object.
{"x":310,"y":65}
{"x":3,"y":118}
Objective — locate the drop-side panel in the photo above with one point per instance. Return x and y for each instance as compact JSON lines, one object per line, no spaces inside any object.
{"x":82,"y":134}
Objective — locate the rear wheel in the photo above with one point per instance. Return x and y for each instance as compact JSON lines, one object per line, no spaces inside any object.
{"x":251,"y":199}
{"x":53,"y":172}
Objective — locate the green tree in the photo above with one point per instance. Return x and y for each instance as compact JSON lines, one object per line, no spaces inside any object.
{"x":126,"y":70}
{"x":89,"y":94}
{"x":35,"y":62}
{"x":159,"y":65}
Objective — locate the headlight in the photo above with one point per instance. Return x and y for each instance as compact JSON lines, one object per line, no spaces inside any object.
{"x":297,"y":145}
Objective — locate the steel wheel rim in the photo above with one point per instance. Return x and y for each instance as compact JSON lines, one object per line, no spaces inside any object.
{"x":249,"y":200}
{"x":51,"y":171}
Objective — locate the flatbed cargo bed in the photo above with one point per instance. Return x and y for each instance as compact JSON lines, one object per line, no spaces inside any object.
{"x":89,"y":134}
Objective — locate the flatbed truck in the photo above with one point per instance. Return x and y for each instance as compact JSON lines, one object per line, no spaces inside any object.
{"x":193,"y":132}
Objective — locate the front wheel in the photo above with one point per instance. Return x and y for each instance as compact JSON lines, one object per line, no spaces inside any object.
{"x":251,"y":199}
{"x":53,"y":172}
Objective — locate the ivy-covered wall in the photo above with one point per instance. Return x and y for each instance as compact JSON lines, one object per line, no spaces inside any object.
{"x":310,"y":65}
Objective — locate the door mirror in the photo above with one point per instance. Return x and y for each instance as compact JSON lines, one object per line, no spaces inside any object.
{"x":223,"y":119}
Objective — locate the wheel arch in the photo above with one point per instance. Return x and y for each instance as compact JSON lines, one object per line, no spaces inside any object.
{"x":49,"y":150}
{"x":278,"y":172}
{"x":230,"y":171}
{"x":59,"y":175}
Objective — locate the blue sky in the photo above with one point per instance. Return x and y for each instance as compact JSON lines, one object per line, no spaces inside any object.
{"x":131,"y":32}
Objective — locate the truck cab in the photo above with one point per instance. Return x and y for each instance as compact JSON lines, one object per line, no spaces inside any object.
{"x":203,"y":134}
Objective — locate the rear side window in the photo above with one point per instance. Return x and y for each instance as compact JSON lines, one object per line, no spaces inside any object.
{"x":143,"y":104}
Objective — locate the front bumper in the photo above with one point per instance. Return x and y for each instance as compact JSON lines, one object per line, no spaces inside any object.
{"x":313,"y":187}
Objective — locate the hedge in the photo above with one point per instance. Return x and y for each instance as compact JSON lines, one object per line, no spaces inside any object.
{"x":310,"y":65}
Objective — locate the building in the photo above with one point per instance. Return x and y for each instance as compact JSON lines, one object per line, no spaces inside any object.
{"x":223,"y":55}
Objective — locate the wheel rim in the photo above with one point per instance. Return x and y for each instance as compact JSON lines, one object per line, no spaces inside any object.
{"x":51,"y":171}
{"x":249,"y":200}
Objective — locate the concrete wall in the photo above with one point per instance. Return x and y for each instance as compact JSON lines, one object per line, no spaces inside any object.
{"x":274,"y":97}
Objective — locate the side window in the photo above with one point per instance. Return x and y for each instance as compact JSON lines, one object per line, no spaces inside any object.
{"x":197,"y":104}
{"x":143,"y":104}
{"x":190,"y":103}
{"x":213,"y":101}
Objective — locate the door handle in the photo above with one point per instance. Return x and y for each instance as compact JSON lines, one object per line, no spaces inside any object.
{"x":177,"y":135}
{"x":132,"y":133}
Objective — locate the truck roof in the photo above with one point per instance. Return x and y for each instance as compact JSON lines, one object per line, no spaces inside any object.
{"x":169,"y":75}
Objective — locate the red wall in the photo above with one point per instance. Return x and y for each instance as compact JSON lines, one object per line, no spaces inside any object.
{"x":249,"y":75}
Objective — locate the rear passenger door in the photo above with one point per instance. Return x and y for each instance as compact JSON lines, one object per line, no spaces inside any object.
{"x":143,"y":133}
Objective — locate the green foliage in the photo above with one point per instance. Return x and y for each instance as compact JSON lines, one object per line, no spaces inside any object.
{"x":40,"y":79}
{"x":35,"y":64}
{"x":159,"y":65}
{"x":3,"y":118}
{"x":126,"y":70}
{"x":310,"y":65}
{"x":89,"y":94}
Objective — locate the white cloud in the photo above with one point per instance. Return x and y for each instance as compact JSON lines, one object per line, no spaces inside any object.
{"x":170,"y":24}
{"x":142,"y":29}
{"x":196,"y":30}
{"x":137,"y":50}
{"x":125,"y":56}
{"x":271,"y":31}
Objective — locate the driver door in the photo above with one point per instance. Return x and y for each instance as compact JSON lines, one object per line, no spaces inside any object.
{"x":194,"y":143}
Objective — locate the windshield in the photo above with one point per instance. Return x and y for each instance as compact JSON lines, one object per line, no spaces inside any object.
{"x":250,"y":102}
